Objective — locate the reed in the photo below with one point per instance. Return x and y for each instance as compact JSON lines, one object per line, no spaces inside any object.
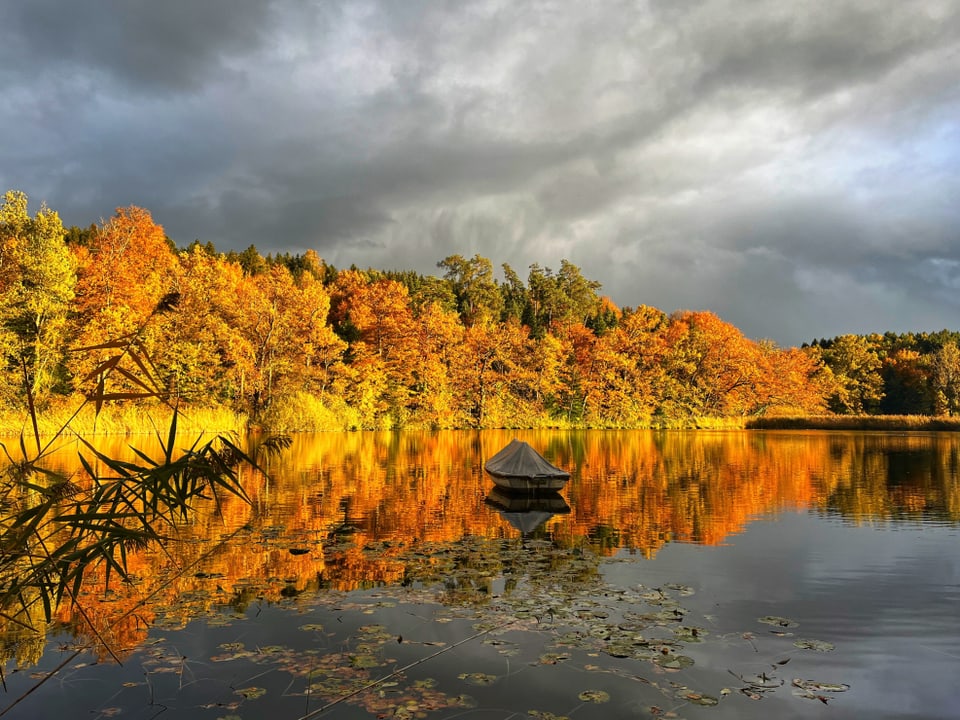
{"x":80,"y":417}
{"x":54,"y":528}
{"x":856,"y":422}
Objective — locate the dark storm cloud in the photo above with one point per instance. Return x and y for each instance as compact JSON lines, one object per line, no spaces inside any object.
{"x":145,"y":46}
{"x":792,"y":167}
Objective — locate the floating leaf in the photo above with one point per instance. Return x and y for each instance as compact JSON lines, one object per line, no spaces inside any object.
{"x":227,"y":657}
{"x":544,"y":715}
{"x":688,"y":633}
{"x":699,"y":698}
{"x":364,"y":661}
{"x":777,"y":621}
{"x":594,"y":696}
{"x":312,"y":627}
{"x":812,"y":686}
{"x":553,"y":658}
{"x":673,"y":662}
{"x":478,"y":678}
{"x":251,"y":693}
{"x":818,"y":645}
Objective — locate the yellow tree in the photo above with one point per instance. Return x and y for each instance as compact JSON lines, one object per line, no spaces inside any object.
{"x":202,"y":347}
{"x":493,"y":374}
{"x":856,"y":369}
{"x":123,"y":273}
{"x":37,"y":279}
{"x":906,"y":382}
{"x":623,"y":379}
{"x":712,"y":369}
{"x":284,"y":332}
{"x":322,"y":349}
{"x":565,"y":357}
{"x":436,"y":400}
{"x":377,"y":320}
{"x":945,"y":380}
{"x":790,"y":381}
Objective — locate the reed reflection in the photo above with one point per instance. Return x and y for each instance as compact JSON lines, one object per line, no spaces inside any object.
{"x":339,"y":512}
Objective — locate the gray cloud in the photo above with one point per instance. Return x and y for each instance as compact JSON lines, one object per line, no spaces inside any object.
{"x":793,"y":168}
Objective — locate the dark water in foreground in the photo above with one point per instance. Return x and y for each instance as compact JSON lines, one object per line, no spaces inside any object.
{"x":692,"y":575}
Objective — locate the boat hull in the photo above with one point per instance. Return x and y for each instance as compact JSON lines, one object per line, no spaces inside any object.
{"x":528,"y":484}
{"x":520,"y":468}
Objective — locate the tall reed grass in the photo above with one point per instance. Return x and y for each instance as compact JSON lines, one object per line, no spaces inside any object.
{"x":856,"y":422}
{"x":120,"y":419}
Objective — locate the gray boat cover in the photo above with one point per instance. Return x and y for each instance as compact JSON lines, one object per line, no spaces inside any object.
{"x":520,"y":460}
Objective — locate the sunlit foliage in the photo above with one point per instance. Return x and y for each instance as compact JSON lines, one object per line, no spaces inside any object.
{"x":290,"y":339}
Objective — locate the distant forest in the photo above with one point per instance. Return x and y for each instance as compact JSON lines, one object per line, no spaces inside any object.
{"x":294,"y":343}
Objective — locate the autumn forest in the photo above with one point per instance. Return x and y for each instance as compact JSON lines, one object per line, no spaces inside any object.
{"x":292,"y":343}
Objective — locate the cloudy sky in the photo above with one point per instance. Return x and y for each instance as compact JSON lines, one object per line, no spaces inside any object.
{"x":792,"y":166}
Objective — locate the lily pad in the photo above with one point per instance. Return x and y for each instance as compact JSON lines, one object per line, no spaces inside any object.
{"x":364,"y":661}
{"x":673,"y":662}
{"x":697,"y":698}
{"x":690,"y":633}
{"x":813,"y":686}
{"x":251,"y":693}
{"x":817,"y":645}
{"x":778,"y":621}
{"x":478,"y":678}
{"x":553,"y":658}
{"x":594,"y":696}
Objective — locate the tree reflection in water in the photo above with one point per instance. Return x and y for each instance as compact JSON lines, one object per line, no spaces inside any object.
{"x":411,"y":515}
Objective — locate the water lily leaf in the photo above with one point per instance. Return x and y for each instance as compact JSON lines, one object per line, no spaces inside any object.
{"x":478,"y":678}
{"x":227,"y":657}
{"x":817,"y":645}
{"x":699,"y":698}
{"x":553,"y":658}
{"x":544,"y":715}
{"x":594,"y":696}
{"x":777,"y":621}
{"x":312,"y":627}
{"x":689,"y":633}
{"x":813,"y":686}
{"x":364,"y":661}
{"x":673,"y":662}
{"x":251,"y":693}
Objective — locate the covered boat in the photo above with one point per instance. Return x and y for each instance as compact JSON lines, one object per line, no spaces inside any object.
{"x":519,"y":467}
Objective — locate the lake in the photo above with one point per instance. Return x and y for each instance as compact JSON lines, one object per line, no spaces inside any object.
{"x":740,"y":574}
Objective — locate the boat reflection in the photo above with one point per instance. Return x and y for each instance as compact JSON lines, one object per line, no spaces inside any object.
{"x":524,"y":511}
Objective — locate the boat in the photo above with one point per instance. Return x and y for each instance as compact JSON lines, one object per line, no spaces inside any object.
{"x":519,"y":467}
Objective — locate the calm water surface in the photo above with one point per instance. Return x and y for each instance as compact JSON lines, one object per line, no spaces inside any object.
{"x":691,"y":575}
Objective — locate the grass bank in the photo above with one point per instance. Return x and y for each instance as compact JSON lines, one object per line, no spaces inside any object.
{"x":856,"y":422}
{"x":121,"y":419}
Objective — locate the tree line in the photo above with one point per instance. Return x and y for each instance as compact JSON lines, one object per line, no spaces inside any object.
{"x":295,"y":343}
